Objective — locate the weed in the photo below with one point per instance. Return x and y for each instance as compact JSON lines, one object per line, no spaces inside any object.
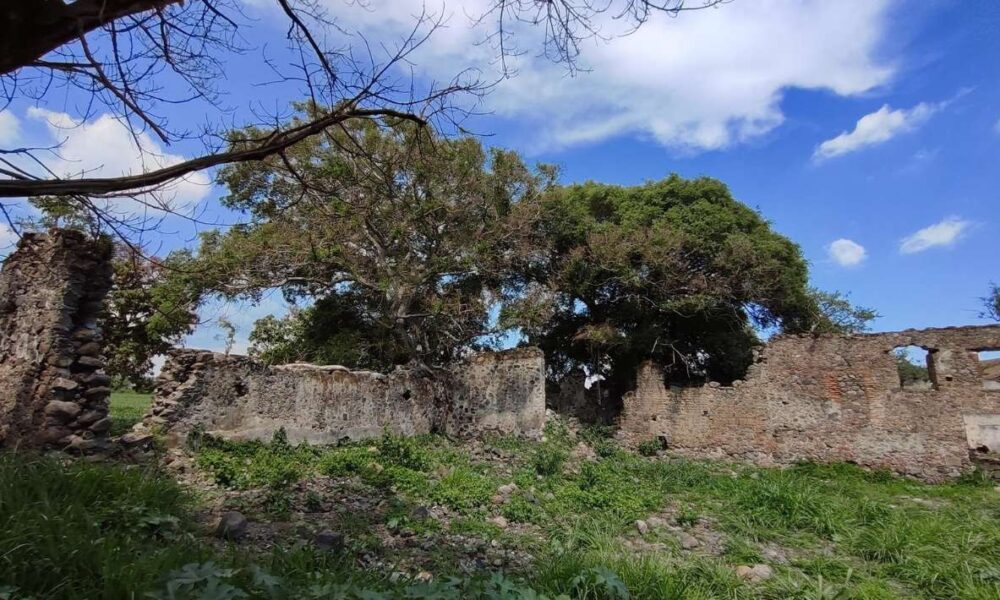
{"x":313,"y":501}
{"x":650,"y":447}
{"x":687,"y":517}
{"x":548,"y":459}
{"x":403,"y":451}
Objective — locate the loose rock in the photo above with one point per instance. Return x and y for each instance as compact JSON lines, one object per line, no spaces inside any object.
{"x":135,"y":439}
{"x":754,"y":574}
{"x":232,"y":526}
{"x":329,"y":540}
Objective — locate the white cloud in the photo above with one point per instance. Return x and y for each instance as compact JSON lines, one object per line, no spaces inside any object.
{"x":105,"y":147}
{"x":703,"y":81}
{"x":941,"y":234}
{"x":846,"y":253}
{"x":876,"y":128}
{"x":9,"y":128}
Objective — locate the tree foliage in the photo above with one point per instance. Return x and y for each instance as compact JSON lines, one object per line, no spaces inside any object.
{"x":402,"y":238}
{"x":909,"y":372}
{"x":675,"y":271}
{"x":834,"y":313}
{"x":151,"y":306}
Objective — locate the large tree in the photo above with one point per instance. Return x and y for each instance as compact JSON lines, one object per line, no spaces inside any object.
{"x":675,"y":271}
{"x":402,"y":240}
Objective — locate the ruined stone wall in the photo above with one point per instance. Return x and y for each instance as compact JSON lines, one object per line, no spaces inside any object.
{"x":833,"y":398}
{"x":52,"y":390}
{"x":597,"y":404}
{"x":239,"y":397}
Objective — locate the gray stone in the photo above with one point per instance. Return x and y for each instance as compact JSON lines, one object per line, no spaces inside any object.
{"x":85,"y":334}
{"x":60,"y":360}
{"x":329,"y":540}
{"x":507,"y":489}
{"x":92,"y":362}
{"x":135,"y":439}
{"x":642,"y":527}
{"x":89,"y":349}
{"x":102,"y":426}
{"x":55,"y":435}
{"x":762,"y":572}
{"x":232,"y":526}
{"x":97,"y":392}
{"x":62,"y":410}
{"x":499,"y":521}
{"x":689,"y":542}
{"x":97,"y":379}
{"x":656,"y":522}
{"x":91,"y":416}
{"x":61,"y":383}
{"x":81,"y":444}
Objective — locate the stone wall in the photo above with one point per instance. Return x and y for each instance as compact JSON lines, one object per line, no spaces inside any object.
{"x":239,"y":397}
{"x":52,"y":390}
{"x":833,"y":398}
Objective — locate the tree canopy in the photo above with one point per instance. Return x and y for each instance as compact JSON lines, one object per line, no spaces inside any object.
{"x":675,"y":271}
{"x":400,"y":237}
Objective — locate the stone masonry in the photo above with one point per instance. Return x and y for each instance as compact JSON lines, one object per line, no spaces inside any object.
{"x":239,"y":397}
{"x":833,"y":398}
{"x":821,"y":398}
{"x":53,"y":392}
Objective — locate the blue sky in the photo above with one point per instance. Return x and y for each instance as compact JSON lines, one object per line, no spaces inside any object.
{"x":867,"y":131}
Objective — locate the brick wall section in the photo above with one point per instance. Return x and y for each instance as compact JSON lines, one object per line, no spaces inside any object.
{"x":832,"y":398}
{"x":53,"y":392}
{"x":241,"y":398}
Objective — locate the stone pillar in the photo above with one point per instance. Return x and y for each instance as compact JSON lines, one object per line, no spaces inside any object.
{"x":53,"y":391}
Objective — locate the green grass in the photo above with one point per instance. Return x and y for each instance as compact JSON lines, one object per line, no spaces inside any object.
{"x":850,"y":533}
{"x":127,"y":409}
{"x":79,"y":530}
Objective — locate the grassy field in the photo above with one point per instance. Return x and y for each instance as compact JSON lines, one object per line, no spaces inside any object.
{"x":126,"y":410}
{"x":571,"y":517}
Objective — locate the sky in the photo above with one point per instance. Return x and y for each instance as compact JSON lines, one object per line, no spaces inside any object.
{"x":866,"y":131}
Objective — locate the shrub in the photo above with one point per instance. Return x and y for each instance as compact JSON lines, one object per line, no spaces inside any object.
{"x":548,"y":459}
{"x":650,"y":447}
{"x":606,"y":448}
{"x":463,"y":488}
{"x":403,"y":451}
{"x":344,"y":462}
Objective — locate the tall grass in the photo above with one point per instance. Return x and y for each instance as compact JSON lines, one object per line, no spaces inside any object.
{"x":81,"y":530}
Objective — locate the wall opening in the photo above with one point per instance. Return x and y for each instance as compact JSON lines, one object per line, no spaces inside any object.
{"x":913,"y":364}
{"x":989,"y":368}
